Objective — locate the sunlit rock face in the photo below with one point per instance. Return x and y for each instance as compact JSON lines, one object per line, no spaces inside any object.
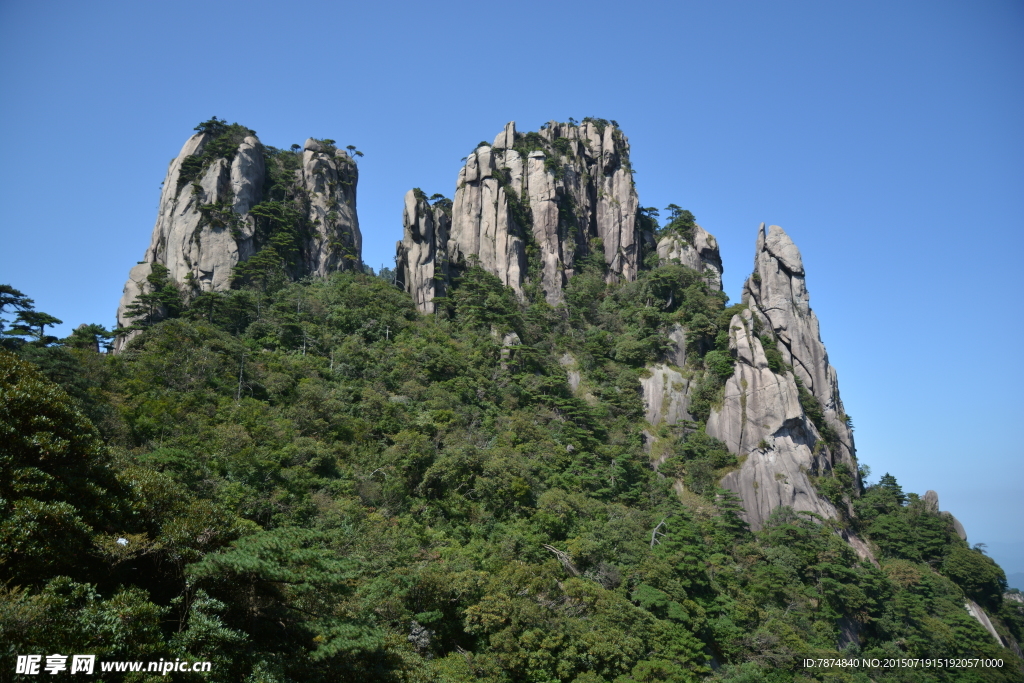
{"x":762,"y":421}
{"x":529,"y":206}
{"x":422,"y":256}
{"x":204,"y":226}
{"x":777,"y":293}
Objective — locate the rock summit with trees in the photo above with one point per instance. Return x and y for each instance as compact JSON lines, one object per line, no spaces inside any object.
{"x":546,"y":447}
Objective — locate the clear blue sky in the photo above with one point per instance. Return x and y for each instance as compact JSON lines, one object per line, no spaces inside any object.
{"x":887,"y":138}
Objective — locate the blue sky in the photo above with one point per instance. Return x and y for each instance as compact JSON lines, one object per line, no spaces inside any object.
{"x":885,"y":137}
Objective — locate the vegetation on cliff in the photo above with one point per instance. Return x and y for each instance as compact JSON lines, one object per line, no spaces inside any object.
{"x":310,"y":481}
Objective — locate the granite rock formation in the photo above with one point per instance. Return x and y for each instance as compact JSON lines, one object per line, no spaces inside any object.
{"x":205,"y":226}
{"x":666,"y":395}
{"x":777,"y":294}
{"x":931,"y":502}
{"x":699,"y":251}
{"x":547,"y":198}
{"x":762,"y":421}
{"x":422,"y":255}
{"x":326,"y":186}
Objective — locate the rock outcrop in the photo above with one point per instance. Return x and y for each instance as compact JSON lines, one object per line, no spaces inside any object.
{"x":761,"y":420}
{"x":975,"y":610}
{"x":205,"y":226}
{"x":529,"y":206}
{"x":698,"y":251}
{"x":326,"y":188}
{"x":422,"y":255}
{"x":931,"y":503}
{"x":777,"y":294}
{"x":666,"y":395}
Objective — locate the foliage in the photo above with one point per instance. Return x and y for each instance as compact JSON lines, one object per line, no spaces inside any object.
{"x":316,"y":483}
{"x":221,"y":142}
{"x":160,"y":298}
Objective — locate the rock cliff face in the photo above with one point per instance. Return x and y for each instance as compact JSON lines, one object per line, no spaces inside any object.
{"x":699,"y":252}
{"x":762,"y":418}
{"x":762,"y":421}
{"x":205,"y":225}
{"x":777,"y":294}
{"x":529,"y":206}
{"x":422,"y":260}
{"x":326,"y":188}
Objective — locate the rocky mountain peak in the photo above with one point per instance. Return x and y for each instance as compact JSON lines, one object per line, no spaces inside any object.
{"x":422,"y":255}
{"x":530,"y":205}
{"x":224,"y":199}
{"x":777,"y":294}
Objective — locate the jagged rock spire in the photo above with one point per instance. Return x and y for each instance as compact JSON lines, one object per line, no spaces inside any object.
{"x":422,"y":260}
{"x":777,"y":293}
{"x":204,"y":227}
{"x":555,"y":195}
{"x":762,"y":421}
{"x":762,"y":418}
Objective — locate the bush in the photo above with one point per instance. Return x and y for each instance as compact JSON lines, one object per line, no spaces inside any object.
{"x":720,"y":363}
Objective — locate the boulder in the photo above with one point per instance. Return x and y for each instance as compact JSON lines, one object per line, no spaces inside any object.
{"x":702,"y":254}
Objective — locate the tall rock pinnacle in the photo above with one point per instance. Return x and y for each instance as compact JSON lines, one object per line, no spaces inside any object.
{"x":528,"y":206}
{"x":422,"y":260}
{"x":777,"y":293}
{"x":224,"y":199}
{"x":782,"y":441}
{"x":762,"y":420}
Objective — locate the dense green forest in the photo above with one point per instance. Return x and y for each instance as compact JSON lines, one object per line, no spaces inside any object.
{"x":310,"y":481}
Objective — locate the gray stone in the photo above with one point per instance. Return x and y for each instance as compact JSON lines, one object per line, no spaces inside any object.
{"x":931,"y":503}
{"x":591,"y":195}
{"x":572,"y":371}
{"x":777,"y":294}
{"x":957,"y":526}
{"x":702,"y":255}
{"x":422,"y":260}
{"x":200,"y":255}
{"x":329,"y":183}
{"x":676,"y":354}
{"x":135,"y":286}
{"x":507,"y":137}
{"x":666,"y":396}
{"x":483,"y":229}
{"x":975,"y":610}
{"x":762,"y":422}
{"x":246,"y":169}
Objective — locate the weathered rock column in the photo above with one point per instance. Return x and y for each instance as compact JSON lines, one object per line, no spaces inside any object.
{"x":422,"y":261}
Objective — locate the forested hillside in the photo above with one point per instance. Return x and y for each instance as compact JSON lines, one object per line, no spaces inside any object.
{"x":312,"y":481}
